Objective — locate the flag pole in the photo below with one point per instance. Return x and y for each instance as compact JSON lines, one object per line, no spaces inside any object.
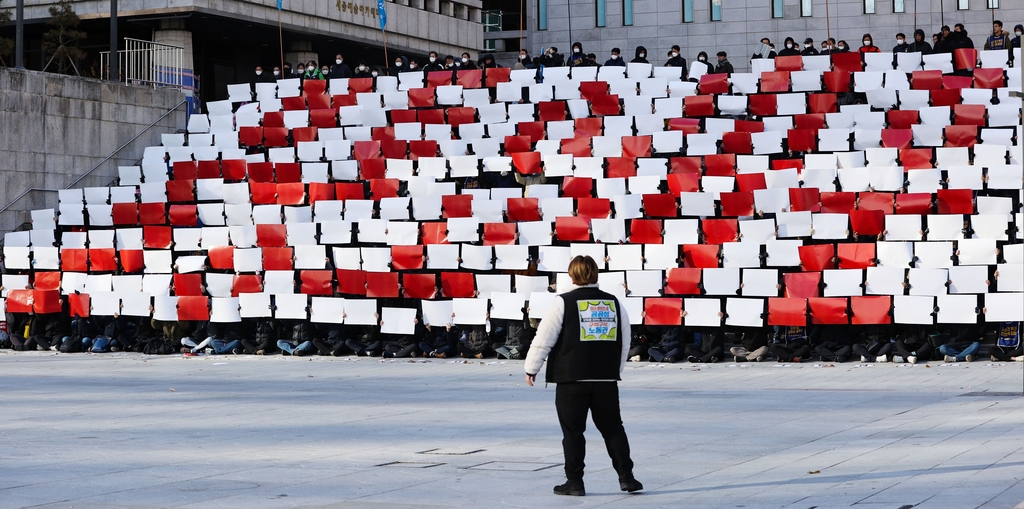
{"x":382,"y":17}
{"x":280,"y":35}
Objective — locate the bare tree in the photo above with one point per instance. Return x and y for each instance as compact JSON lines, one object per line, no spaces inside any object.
{"x":6,"y":45}
{"x":61,"y":42}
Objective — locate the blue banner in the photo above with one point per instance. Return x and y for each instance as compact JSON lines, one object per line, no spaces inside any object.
{"x":381,"y":12}
{"x":280,"y":4}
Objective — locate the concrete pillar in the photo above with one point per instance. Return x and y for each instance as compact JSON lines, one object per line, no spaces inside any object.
{"x":301,"y":51}
{"x":172,"y":31}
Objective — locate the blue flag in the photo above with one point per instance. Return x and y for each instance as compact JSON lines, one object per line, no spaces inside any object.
{"x":280,"y":4}
{"x":381,"y":12}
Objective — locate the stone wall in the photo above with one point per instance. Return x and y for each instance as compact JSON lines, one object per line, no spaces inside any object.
{"x":54,"y":128}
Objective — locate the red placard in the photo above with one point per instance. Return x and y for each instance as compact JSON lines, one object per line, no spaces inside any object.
{"x":193,"y":308}
{"x":679,"y":183}
{"x":636,"y":146}
{"x":382,"y":285}
{"x":738,"y":204}
{"x":571,"y":228}
{"x":19,"y":301}
{"x":897,"y":138}
{"x":720,"y":231}
{"x":776,"y":81}
{"x":351,"y":282}
{"x":222,"y":257}
{"x":856,"y":255}
{"x":620,"y":167}
{"x":74,"y":260}
{"x":185,"y":170}
{"x":46,"y":301}
{"x":233,"y":169}
{"x":383,"y":188}
{"x":46,"y":280}
{"x":787,"y":312}
{"x":914,"y":203}
{"x":246,"y":283}
{"x":263,"y":193}
{"x":871,"y":310}
{"x":406,"y":257}
{"x":434,"y":233}
{"x":763,"y":105}
{"x":683,"y":281}
{"x":291,"y":194}
{"x":699,"y":105}
{"x":645,"y":231}
{"x":876,"y":201}
{"x":183,"y":215}
{"x":701,"y":256}
{"x":277,"y":258}
{"x":458,"y":284}
{"x":102,"y":260}
{"x":663,"y":311}
{"x":789,"y":63}
{"x":737,"y":142}
{"x":837,"y":203}
{"x":829,"y":311}
{"x":188,"y":284}
{"x":320,"y":282}
{"x":132,"y":260}
{"x":804,"y":199}
{"x":578,"y":147}
{"x":181,"y":190}
{"x":802,"y":285}
{"x":79,"y":304}
{"x":527,"y":163}
{"x":717,"y":84}
{"x":499,"y":234}
{"x":153,"y":213}
{"x":955,"y":201}
{"x":848,"y":62}
{"x":750,"y":182}
{"x":419,"y":286}
{"x":867,"y":222}
{"x":816,"y":258}
{"x":690,"y":164}
{"x":350,"y":191}
{"x":523,"y":209}
{"x":514,"y":144}
{"x":271,"y":235}
{"x":660,"y":205}
{"x":456,"y":205}
{"x":594,"y":208}
{"x":577,"y":187}
{"x":125,"y":214}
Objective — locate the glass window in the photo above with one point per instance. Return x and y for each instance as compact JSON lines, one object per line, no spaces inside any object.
{"x":602,"y":12}
{"x":993,"y":4}
{"x":716,"y":10}
{"x":687,"y":11}
{"x":627,"y":12}
{"x":963,"y":5}
{"x":542,"y":14}
{"x":776,"y":8}
{"x":869,"y":6}
{"x":805,"y":7}
{"x":899,"y":6}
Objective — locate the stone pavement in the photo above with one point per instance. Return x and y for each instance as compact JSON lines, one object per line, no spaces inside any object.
{"x":131,"y":431}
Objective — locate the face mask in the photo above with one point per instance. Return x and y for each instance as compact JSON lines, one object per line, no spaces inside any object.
{"x":867,"y":42}
{"x":465,"y":60}
{"x":1018,"y":33}
{"x":789,"y":46}
{"x":325,"y":71}
{"x":900,"y":42}
{"x":522,"y":57}
{"x":259,"y":73}
{"x":374,"y":74}
{"x":338,"y":61}
{"x":642,"y":55}
{"x":432,"y":59}
{"x":398,"y":64}
{"x":301,"y":70}
{"x":842,"y":47}
{"x":615,"y":57}
{"x":807,"y":45}
{"x":674,"y":54}
{"x":362,"y":68}
{"x":702,"y":59}
{"x":575,"y":50}
{"x":277,"y":73}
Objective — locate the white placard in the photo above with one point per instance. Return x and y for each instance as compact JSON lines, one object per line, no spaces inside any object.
{"x":743,"y":312}
{"x":702,"y":312}
{"x":398,"y":321}
{"x":469,"y":311}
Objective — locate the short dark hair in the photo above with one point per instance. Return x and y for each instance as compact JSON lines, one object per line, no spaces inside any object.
{"x":616,"y":50}
{"x":722,"y":54}
{"x":997,"y":22}
{"x":901,"y":34}
{"x":675,"y":46}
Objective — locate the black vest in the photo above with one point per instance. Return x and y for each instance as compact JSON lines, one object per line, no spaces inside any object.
{"x":590,"y":344}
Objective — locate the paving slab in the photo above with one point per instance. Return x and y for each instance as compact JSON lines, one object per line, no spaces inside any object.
{"x":135,"y":431}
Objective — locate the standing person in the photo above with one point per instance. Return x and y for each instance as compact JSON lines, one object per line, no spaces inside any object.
{"x":809,"y":49}
{"x":790,"y":48}
{"x":868,"y":45}
{"x":723,"y":67}
{"x":586,"y":333}
{"x":433,"y":63}
{"x":920,"y":45}
{"x":340,"y":69}
{"x":616,"y":59}
{"x":1000,"y":39}
{"x":674,"y":58}
{"x":640,"y":56}
{"x":1018,"y":30}
{"x":901,"y":44}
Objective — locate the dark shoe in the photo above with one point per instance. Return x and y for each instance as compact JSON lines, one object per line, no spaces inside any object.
{"x":631,"y":485}
{"x":571,"y":488}
{"x":670,"y":359}
{"x":692,"y":359}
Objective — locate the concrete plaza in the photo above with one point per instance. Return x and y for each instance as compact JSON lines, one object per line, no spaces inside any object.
{"x":132,"y":431}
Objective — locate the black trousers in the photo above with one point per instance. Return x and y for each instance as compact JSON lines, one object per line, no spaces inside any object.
{"x":572,"y":402}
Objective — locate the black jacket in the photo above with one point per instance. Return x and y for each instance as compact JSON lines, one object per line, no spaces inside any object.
{"x":637,"y":59}
{"x":724,"y":67}
{"x":583,"y":351}
{"x":341,"y":70}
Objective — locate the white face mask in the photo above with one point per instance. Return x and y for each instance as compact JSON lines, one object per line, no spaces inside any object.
{"x":842,"y":47}
{"x":1019,"y":33}
{"x":867,"y":42}
{"x":338,"y":61}
{"x":325,"y":71}
{"x":277,"y":73}
{"x":615,"y":57}
{"x":301,"y":70}
{"x":642,"y":55}
{"x":398,"y":63}
{"x":789,"y":46}
{"x":900,"y":42}
{"x":575,"y":50}
{"x":807,"y":45}
{"x":432,"y":59}
{"x":259,"y":73}
{"x":465,"y":60}
{"x":362,"y":68}
{"x":522,"y":57}
{"x":374,"y":74}
{"x":702,"y":59}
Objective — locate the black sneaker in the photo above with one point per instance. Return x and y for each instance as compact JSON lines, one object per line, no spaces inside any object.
{"x":630,"y":485}
{"x":571,"y":488}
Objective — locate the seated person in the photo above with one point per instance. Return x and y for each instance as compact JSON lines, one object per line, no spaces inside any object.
{"x":517,"y":340}
{"x":639,"y":344}
{"x":833,"y":343}
{"x":873,"y":348}
{"x":1008,"y":346}
{"x":912,"y":346}
{"x":474,"y":342}
{"x":49,"y":329}
{"x":669,"y":348}
{"x":438,"y":342}
{"x":83,"y":330}
{"x":753,"y":346}
{"x":365,"y":341}
{"x":707,"y":346}
{"x":963,"y":344}
{"x":789,"y":344}
{"x":262,"y":337}
{"x":328,"y":340}
{"x":300,"y":341}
